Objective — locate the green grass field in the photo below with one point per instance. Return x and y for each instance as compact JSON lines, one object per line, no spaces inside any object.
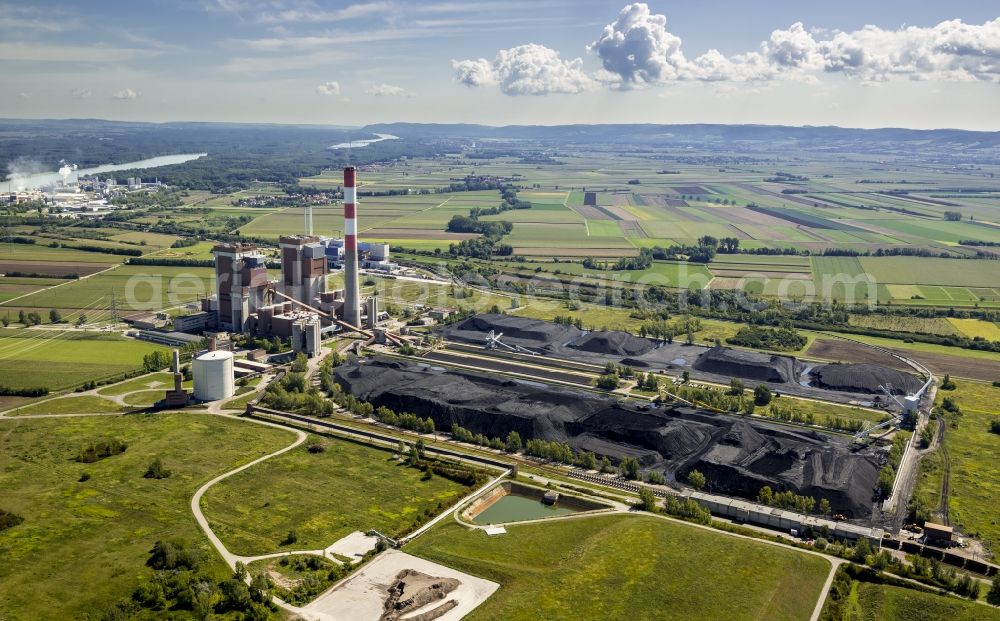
{"x":76,"y":404}
{"x":880,"y":602}
{"x":144,"y":382}
{"x":323,"y":497}
{"x":56,"y":359}
{"x":137,"y":288}
{"x":925,"y":271}
{"x":974,"y":481}
{"x":41,"y":251}
{"x":83,"y":545}
{"x":627,"y":567}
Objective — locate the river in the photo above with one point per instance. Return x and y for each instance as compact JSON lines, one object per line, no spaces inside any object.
{"x":364,"y":143}
{"x":33,"y":182}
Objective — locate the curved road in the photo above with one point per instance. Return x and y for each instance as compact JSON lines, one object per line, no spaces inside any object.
{"x":228,"y":556}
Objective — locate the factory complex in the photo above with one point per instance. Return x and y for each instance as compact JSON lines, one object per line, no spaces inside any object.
{"x":297,"y":306}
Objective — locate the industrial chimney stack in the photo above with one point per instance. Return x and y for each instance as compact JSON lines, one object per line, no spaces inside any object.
{"x":352,"y":296}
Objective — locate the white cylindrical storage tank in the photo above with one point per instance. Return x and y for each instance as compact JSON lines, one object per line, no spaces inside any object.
{"x":213,"y":376}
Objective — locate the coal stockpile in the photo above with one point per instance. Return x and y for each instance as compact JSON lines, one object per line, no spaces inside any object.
{"x":614,"y":342}
{"x":548,"y":337}
{"x":737,"y":455}
{"x":525,"y":332}
{"x":864,"y":378}
{"x":745,"y":457}
{"x":747,"y":364}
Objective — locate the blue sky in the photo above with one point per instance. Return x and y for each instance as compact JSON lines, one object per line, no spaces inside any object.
{"x":864,"y":64}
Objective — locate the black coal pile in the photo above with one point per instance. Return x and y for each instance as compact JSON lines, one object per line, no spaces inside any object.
{"x":747,"y":457}
{"x":747,"y":364}
{"x":532,"y":333}
{"x":738,"y":456}
{"x":613,"y":342}
{"x":864,"y":378}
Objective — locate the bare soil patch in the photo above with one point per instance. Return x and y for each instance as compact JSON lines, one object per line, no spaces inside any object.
{"x":57,"y":268}
{"x":959,"y":366}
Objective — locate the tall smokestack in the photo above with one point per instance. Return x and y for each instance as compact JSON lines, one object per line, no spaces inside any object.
{"x":352,"y":297}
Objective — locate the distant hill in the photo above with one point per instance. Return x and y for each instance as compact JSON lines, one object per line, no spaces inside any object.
{"x":709,"y":136}
{"x":238,"y":153}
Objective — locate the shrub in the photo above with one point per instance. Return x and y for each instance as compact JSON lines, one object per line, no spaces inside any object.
{"x":761,"y":394}
{"x":696,"y":479}
{"x":608,"y":381}
{"x":316,"y":447}
{"x":85,"y":476}
{"x":777,"y":339}
{"x":173,"y":555}
{"x":156,"y":470}
{"x":9,"y":520}
{"x":290,"y":538}
{"x":101,"y":450}
{"x":6,"y":391}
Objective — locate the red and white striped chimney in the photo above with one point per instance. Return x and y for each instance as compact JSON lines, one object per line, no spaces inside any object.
{"x":352,"y":296}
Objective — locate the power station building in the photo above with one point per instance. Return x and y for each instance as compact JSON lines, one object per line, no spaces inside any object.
{"x":246,"y":299}
{"x":303,"y":267}
{"x":240,"y":284}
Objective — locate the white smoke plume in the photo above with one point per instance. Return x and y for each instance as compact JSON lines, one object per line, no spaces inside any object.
{"x":20,"y":169}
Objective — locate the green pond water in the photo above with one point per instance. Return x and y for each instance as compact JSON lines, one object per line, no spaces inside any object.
{"x":514,"y":508}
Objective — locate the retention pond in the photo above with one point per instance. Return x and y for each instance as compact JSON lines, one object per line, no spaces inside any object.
{"x":513,"y":502}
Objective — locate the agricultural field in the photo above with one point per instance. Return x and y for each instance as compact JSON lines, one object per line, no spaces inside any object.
{"x":16,"y":287}
{"x":627,"y":567}
{"x":968,"y":363}
{"x":903,"y":323}
{"x":600,"y":317}
{"x":136,"y":287}
{"x":62,"y":359}
{"x":699,"y":200}
{"x":679,"y":274}
{"x":409,"y":293}
{"x":974,"y":472}
{"x":84,"y":544}
{"x":323,"y":496}
{"x":976,"y":328}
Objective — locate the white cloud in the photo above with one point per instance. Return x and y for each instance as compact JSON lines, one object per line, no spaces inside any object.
{"x":949,"y":51}
{"x":793,"y":48}
{"x":16,"y":18}
{"x":311,"y":14}
{"x":125,"y":93}
{"x":81,"y":93}
{"x":530,"y":69}
{"x":388,"y":90}
{"x":474,"y":72}
{"x":24,"y":95}
{"x":68,"y":53}
{"x":329,"y":88}
{"x":638,"y":49}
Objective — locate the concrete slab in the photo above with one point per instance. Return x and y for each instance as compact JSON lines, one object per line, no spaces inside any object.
{"x":354,"y":546}
{"x":495,"y":530}
{"x":360,"y":597}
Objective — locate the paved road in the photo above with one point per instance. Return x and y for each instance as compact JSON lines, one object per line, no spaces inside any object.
{"x":228,"y":556}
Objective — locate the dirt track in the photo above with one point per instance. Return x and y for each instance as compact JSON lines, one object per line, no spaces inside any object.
{"x":959,"y":366}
